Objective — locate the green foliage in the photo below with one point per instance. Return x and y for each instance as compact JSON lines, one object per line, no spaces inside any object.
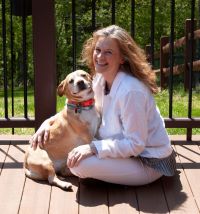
{"x":103,"y":17}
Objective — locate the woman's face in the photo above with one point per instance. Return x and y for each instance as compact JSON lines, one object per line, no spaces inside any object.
{"x":107,"y":57}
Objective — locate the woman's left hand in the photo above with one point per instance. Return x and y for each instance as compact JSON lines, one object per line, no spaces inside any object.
{"x":77,"y":154}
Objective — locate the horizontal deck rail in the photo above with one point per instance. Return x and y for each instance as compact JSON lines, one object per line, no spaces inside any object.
{"x":182,"y":122}
{"x":17,"y":122}
{"x":169,"y":122}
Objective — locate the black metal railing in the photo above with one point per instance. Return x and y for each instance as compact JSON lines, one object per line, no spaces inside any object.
{"x":22,"y":66}
{"x":10,"y":11}
{"x":43,"y":50}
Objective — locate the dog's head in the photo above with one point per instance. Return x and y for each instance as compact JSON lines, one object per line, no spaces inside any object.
{"x":77,"y":86}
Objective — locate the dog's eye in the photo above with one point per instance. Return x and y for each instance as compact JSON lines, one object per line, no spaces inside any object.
{"x":71,"y":81}
{"x":83,"y":75}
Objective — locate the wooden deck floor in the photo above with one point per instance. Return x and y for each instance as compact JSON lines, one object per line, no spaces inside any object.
{"x":178,"y":194}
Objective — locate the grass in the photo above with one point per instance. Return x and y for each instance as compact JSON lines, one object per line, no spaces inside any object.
{"x":180,"y":108}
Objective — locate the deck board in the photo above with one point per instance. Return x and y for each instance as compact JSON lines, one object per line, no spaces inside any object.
{"x":36,"y":197}
{"x":12,"y":180}
{"x":65,"y":202}
{"x":151,"y":198}
{"x":122,"y":199}
{"x":93,"y":198}
{"x":178,"y":194}
{"x":190,"y":161}
{"x":3,"y":152}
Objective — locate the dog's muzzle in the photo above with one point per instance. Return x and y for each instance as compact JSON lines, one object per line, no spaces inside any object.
{"x":81,"y":85}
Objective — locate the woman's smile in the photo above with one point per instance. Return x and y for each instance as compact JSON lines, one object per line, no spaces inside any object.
{"x":101,"y":64}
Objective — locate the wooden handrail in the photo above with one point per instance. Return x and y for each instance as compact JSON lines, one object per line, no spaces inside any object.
{"x":178,"y":69}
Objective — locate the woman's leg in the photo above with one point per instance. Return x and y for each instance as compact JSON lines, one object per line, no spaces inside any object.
{"x":129,"y":171}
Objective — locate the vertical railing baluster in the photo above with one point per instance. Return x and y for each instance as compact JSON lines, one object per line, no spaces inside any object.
{"x":171,"y":59}
{"x":74,"y":33}
{"x":191,"y":57}
{"x":4,"y":59}
{"x":24,"y":64}
{"x":113,"y":12}
{"x":93,"y":15}
{"x":133,"y":18}
{"x":152,"y":30}
{"x":12,"y":60}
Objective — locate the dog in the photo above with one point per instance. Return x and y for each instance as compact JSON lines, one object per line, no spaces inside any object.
{"x":75,"y":125}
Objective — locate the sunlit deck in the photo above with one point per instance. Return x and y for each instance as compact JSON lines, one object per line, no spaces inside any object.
{"x":179,"y":194}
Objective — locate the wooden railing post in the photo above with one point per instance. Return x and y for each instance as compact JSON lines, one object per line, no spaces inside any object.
{"x":148,"y":53}
{"x":44,"y":58}
{"x":164,"y":58}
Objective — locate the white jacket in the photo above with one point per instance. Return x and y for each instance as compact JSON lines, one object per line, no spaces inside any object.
{"x":131,"y":123}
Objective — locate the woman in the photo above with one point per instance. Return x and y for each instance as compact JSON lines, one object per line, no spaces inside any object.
{"x":132,"y":146}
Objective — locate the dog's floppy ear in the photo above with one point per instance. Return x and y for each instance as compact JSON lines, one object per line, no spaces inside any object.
{"x":61,"y":88}
{"x":90,"y":78}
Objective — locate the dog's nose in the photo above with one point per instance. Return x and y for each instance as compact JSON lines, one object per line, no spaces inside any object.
{"x":81,"y":85}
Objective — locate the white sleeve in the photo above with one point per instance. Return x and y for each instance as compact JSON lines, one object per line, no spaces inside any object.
{"x":133,"y":115}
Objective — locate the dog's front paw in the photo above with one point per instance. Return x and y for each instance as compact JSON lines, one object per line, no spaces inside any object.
{"x":67,"y":186}
{"x":59,"y":183}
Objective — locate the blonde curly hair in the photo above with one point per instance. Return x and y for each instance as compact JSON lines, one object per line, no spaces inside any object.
{"x":135,"y":61}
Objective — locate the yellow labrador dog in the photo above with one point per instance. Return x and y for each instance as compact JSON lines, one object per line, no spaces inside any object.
{"x":75,"y":125}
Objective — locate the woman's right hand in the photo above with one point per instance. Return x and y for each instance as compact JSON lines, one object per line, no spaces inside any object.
{"x":42,"y":134}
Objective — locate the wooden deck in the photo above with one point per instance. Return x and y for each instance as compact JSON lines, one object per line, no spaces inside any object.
{"x":178,"y":194}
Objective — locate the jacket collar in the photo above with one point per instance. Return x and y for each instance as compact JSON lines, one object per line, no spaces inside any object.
{"x":116,"y":83}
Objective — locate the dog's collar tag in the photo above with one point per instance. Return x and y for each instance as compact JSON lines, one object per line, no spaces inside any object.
{"x":78,"y":107}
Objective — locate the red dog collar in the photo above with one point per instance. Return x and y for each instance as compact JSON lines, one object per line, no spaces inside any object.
{"x":79,"y":106}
